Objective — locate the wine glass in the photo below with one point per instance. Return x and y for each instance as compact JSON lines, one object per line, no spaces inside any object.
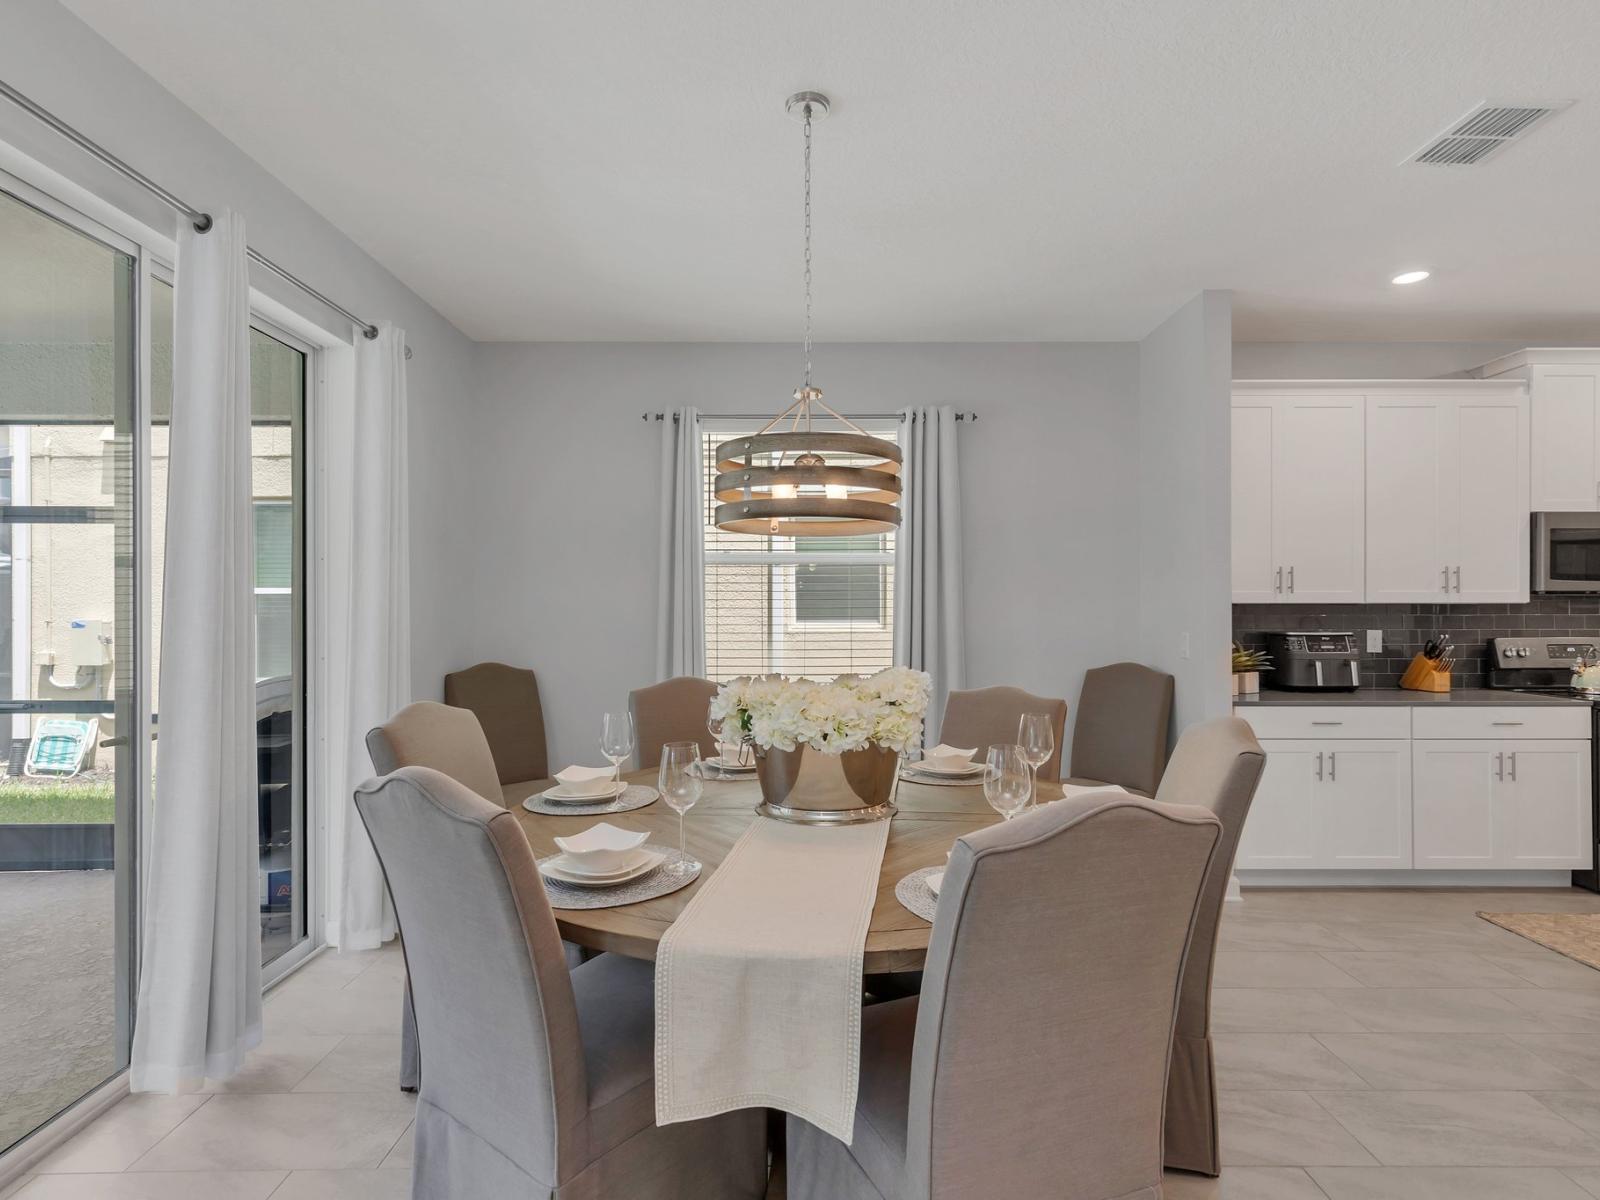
{"x":1038,"y":741}
{"x":679,"y":780}
{"x":616,"y":739}
{"x":1007,"y":780}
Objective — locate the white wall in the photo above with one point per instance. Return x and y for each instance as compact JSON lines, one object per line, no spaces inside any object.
{"x":51,"y":56}
{"x":1363,"y":360}
{"x":564,"y":475}
{"x":1184,"y":485}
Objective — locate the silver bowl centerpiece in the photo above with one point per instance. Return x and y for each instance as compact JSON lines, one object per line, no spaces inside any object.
{"x":827,"y":753}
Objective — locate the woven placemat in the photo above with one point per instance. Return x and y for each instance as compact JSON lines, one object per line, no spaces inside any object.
{"x":637,"y":796}
{"x":915,"y":896}
{"x":647,"y":887}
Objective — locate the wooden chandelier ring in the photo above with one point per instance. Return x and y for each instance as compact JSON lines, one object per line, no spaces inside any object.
{"x":737,"y":450}
{"x":801,"y":517}
{"x":731,"y":485}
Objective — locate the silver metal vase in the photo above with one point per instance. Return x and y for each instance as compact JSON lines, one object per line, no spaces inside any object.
{"x":809,"y":787}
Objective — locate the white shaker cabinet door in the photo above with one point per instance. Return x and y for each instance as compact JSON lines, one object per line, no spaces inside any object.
{"x":1256,"y":577}
{"x":1409,"y":529}
{"x":1281,"y":831}
{"x":1364,"y":798}
{"x":1319,"y":498}
{"x":1565,"y":438}
{"x":1546,"y":809}
{"x":1488,"y":490}
{"x":1454,"y":803}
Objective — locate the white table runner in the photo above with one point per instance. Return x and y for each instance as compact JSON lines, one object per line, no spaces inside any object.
{"x":758,"y":982}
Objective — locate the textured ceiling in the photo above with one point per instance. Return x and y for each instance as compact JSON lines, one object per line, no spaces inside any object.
{"x":1040,"y":169}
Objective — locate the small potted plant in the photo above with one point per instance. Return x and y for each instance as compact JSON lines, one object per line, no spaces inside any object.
{"x":1247,"y":668}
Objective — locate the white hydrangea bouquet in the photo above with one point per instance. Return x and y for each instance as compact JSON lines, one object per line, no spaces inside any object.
{"x":850,"y":713}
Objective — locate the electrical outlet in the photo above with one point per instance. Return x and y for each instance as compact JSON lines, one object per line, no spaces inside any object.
{"x":1374,"y":641}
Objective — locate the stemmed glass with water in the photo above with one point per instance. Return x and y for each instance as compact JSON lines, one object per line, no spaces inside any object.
{"x":1037,"y":738}
{"x":616,"y":740}
{"x":679,"y":780}
{"x":1007,"y":780}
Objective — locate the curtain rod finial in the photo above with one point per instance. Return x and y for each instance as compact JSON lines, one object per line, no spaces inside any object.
{"x":203,"y":223}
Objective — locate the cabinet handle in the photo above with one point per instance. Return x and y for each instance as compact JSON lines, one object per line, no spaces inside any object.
{"x":1446,"y":584}
{"x":1319,"y":764}
{"x":1327,"y":722}
{"x":1458,"y":579}
{"x":1333,"y":765}
{"x":1291,"y":581}
{"x":1506,"y":722}
{"x":1513,"y":766}
{"x":1278,"y":587}
{"x":1499,"y":766}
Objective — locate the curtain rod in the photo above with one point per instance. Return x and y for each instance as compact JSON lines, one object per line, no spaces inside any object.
{"x":894,"y":416}
{"x":200,"y":218}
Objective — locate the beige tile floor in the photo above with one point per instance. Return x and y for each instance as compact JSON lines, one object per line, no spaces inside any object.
{"x":1371,"y":1046}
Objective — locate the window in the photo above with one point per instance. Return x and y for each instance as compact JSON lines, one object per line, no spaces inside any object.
{"x":817,"y":607}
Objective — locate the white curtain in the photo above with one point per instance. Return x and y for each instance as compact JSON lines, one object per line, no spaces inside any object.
{"x":929,"y":633}
{"x":681,"y":575}
{"x":377,"y":663}
{"x":200,"y":983}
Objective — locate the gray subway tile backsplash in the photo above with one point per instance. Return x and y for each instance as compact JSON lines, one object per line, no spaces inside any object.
{"x":1407,"y":626}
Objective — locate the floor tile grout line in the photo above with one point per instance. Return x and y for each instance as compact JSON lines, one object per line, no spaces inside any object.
{"x":206,"y":1098}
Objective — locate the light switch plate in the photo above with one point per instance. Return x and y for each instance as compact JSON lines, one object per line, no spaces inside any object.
{"x":1374,"y":641}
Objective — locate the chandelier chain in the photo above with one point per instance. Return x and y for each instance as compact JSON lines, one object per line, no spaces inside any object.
{"x":808,"y":244}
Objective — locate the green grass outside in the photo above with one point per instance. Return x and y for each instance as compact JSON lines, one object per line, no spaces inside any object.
{"x":80,"y":802}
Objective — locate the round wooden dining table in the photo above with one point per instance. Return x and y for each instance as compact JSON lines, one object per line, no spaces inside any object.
{"x":929,"y":820}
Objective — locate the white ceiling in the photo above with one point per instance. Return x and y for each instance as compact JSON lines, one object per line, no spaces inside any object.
{"x":1038,"y":169}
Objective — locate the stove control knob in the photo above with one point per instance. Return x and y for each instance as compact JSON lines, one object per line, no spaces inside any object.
{"x":1522,"y":652}
{"x":1509,"y":651}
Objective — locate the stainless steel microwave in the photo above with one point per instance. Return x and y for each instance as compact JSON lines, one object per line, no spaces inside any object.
{"x":1566,"y":552}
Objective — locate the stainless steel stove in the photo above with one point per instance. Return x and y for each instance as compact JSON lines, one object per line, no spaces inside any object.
{"x":1544,"y":665}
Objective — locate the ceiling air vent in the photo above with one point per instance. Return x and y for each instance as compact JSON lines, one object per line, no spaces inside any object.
{"x":1483,"y":131}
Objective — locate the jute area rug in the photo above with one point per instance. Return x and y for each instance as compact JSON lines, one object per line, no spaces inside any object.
{"x":1577,"y":935}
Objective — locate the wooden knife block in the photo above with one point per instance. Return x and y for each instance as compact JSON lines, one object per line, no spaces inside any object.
{"x":1424,"y":676}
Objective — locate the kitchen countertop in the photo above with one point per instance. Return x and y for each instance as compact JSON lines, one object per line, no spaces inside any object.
{"x":1400,"y":697}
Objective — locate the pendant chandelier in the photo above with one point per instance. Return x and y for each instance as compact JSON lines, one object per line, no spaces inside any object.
{"x":791,"y":479}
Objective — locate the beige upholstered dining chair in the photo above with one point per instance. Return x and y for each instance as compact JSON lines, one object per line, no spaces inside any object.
{"x":451,"y":741}
{"x":506,"y":702}
{"x":674,"y":711}
{"x":543,"y":1083}
{"x":1216,"y":766}
{"x":1124,"y":722}
{"x":989,"y":716}
{"x":1035,"y":1062}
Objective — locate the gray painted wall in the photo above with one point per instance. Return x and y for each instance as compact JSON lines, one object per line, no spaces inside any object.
{"x":53,"y":57}
{"x":1183,"y":486}
{"x":1363,"y":360}
{"x":565,"y":477}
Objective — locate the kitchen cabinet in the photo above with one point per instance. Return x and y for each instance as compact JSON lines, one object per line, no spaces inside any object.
{"x":1520,"y":804}
{"x":1298,"y":498}
{"x":1564,"y":420}
{"x":1383,"y":492}
{"x":1330,"y":804}
{"x":1447,"y":486}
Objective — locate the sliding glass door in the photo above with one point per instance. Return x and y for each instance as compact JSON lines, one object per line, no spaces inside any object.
{"x":70,"y":612}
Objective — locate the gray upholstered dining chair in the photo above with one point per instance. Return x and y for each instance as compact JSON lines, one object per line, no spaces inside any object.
{"x":543,"y":1083}
{"x":674,"y":711}
{"x":989,"y":716}
{"x":1035,"y":1061}
{"x":1124,"y":723}
{"x":506,"y":702}
{"x":1216,"y":766}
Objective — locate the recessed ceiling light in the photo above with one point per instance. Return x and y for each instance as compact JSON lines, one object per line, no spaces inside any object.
{"x":1410,"y":277}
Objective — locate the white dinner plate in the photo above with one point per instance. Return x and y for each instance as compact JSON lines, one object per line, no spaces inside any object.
{"x":733,"y":768}
{"x":560,"y":795}
{"x":944,"y":772}
{"x":934,"y":882}
{"x":561,"y":872}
